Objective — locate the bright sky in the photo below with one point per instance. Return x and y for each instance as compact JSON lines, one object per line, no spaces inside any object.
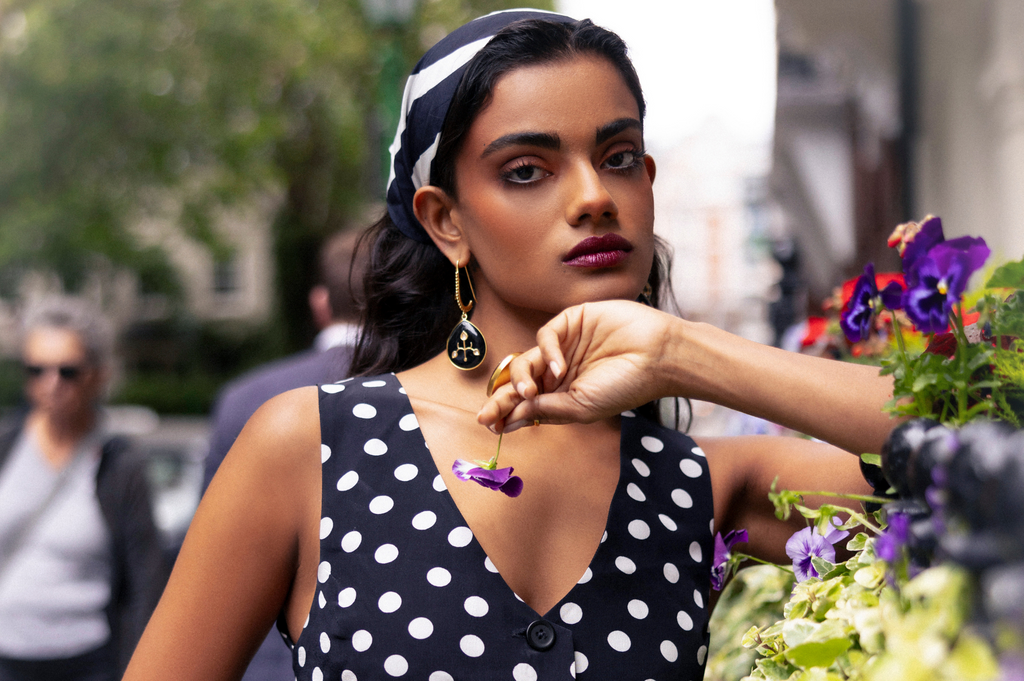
{"x":697,"y":59}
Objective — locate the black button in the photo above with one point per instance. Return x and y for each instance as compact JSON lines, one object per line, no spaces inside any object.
{"x":540,"y":635}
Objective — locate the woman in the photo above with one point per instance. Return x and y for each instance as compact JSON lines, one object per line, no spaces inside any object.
{"x":80,"y":562}
{"x":520,"y":160}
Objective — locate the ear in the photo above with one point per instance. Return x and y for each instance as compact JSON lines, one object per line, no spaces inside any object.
{"x":652,"y":169}
{"x":320,"y":306}
{"x":435,"y":209}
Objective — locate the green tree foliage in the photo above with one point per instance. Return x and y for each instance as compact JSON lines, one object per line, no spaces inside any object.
{"x":111,"y":109}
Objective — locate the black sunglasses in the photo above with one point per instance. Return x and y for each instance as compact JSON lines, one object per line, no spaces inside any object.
{"x":67,"y":372}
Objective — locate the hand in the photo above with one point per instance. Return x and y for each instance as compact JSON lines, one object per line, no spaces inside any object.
{"x":591,"y":362}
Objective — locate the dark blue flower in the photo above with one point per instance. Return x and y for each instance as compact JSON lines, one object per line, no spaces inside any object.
{"x":917,"y":243}
{"x":723,"y":547}
{"x":500,"y":479}
{"x":806,"y":544}
{"x":866,"y":300}
{"x":895,"y":537}
{"x":938,"y":279}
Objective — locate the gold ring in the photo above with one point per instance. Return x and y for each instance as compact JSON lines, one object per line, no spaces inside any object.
{"x":536,"y":422}
{"x":501,"y":374}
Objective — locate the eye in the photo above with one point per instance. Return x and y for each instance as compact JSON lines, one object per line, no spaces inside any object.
{"x":624,"y":160}
{"x":524,"y":173}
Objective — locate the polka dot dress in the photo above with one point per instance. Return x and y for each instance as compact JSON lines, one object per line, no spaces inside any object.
{"x":405,"y":590}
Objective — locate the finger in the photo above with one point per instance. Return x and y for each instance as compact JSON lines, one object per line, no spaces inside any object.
{"x":497,"y":407}
{"x":524,"y":372}
{"x":550,"y":338}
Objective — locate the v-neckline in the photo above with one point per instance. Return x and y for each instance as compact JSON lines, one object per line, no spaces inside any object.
{"x":460,"y":518}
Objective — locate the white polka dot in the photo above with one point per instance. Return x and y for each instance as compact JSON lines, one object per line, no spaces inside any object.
{"x":348,"y":675}
{"x":476,"y":606}
{"x":697,"y":451}
{"x":323,"y":573}
{"x":641,"y":468}
{"x":604,"y":537}
{"x":518,"y":597}
{"x":302,"y":656}
{"x":587,"y":576}
{"x":325,"y":453}
{"x":619,"y":641}
{"x":348,"y":481}
{"x":669,"y":651}
{"x":652,"y":444}
{"x":389,"y":601}
{"x":489,"y":565}
{"x":698,"y":599}
{"x":639,"y":529}
{"x":424,"y":520}
{"x":382,"y":504}
{"x":570,"y":613}
{"x":628,"y":414}
{"x":396,"y":665}
{"x":439,"y":576}
{"x":374,"y":384}
{"x":701,"y":652}
{"x":695,"y":551}
{"x":635,"y":492}
{"x":332,"y":388}
{"x":402,"y":390}
{"x":581,"y":663}
{"x":362,"y":640}
{"x":685,"y":621}
{"x":326,"y":525}
{"x":625,"y":565}
{"x":375,"y":447}
{"x":346,"y":597}
{"x":408,"y":422}
{"x":441,"y":676}
{"x":317,"y":674}
{"x":439,"y":485}
{"x":421,"y":628}
{"x":460,"y":536}
{"x":472,"y":645}
{"x":385,"y":553}
{"x":690,"y":468}
{"x":638,"y":609}
{"x":325,"y":642}
{"x":351,"y":541}
{"x":322,"y":600}
{"x":406,"y":472}
{"x":364,"y":411}
{"x":669,"y":524}
{"x":711,"y":526}
{"x":671,"y":573}
{"x":682,"y":499}
{"x":524,"y":672}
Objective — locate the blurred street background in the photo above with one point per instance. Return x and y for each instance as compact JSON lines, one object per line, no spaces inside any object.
{"x":180,"y":162}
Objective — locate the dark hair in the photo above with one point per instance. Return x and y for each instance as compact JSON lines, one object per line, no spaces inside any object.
{"x":409,"y":296}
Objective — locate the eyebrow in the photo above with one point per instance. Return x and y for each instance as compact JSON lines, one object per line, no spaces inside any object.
{"x":545,"y":140}
{"x":609,"y":130}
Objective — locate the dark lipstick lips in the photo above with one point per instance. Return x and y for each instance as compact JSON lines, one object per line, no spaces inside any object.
{"x":598,"y":244}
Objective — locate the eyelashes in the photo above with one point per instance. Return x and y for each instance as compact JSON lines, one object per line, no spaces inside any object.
{"x":523,"y":172}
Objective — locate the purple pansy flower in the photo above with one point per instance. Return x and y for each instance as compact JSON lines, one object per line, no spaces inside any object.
{"x":806,"y":544}
{"x":938,"y":279}
{"x":723,"y":554}
{"x":856,"y":318}
{"x":929,"y":234}
{"x":500,"y":479}
{"x":894,"y":538}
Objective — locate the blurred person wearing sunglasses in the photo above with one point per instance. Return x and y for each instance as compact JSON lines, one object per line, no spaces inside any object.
{"x":80,"y":562}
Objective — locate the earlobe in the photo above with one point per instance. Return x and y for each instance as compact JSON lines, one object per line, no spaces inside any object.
{"x":434,"y":209}
{"x":652,"y":168}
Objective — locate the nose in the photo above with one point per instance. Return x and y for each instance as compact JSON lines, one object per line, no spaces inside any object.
{"x":590,"y":199}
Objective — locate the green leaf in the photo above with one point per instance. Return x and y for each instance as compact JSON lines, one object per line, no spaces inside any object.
{"x":859,"y":541}
{"x":872,"y":459}
{"x":923,"y":381}
{"x":825,"y":569}
{"x":1010,"y":275}
{"x":818,"y":653}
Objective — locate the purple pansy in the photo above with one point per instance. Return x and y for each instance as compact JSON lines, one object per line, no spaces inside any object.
{"x":894,"y":538}
{"x":929,"y":234}
{"x":938,"y":279}
{"x":723,"y":553}
{"x":856,"y":318}
{"x":500,"y":479}
{"x":806,"y":544}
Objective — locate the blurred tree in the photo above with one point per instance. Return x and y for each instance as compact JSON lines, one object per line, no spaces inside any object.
{"x":113,"y":110}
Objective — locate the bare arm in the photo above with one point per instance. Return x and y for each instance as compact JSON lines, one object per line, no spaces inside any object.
{"x":241,"y":562}
{"x":598,"y":359}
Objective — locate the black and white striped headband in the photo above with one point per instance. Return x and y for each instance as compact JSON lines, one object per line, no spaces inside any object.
{"x":428,"y":93}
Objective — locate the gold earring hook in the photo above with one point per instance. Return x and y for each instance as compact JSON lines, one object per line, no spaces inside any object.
{"x":458,"y":291}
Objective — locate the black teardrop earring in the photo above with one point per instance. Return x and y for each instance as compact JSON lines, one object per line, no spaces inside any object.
{"x":466,"y":346}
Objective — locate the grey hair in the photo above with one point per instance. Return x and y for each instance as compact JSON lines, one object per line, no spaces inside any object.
{"x":76,"y":315}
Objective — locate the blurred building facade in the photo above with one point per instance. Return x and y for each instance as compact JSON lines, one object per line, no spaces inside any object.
{"x":889,"y":110}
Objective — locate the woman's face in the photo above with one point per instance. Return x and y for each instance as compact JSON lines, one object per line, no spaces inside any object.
{"x":554,"y":189}
{"x":60,"y":381}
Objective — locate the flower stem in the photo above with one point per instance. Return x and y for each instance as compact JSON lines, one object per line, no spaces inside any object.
{"x":493,"y":463}
{"x":747,"y":556}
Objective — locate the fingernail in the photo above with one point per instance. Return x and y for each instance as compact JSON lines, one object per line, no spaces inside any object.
{"x":554,"y":368}
{"x":510,"y":427}
{"x":521,"y":388}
